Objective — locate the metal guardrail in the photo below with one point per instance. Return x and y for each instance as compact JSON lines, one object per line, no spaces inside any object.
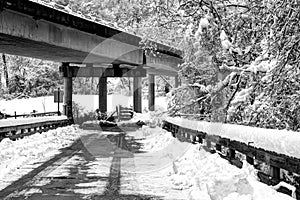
{"x":19,"y":131}
{"x":253,"y":154}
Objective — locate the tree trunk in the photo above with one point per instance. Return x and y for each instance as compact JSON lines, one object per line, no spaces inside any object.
{"x":5,"y":71}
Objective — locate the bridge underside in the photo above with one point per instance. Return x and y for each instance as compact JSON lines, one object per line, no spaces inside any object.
{"x":24,"y":47}
{"x":25,"y":35}
{"x":34,"y":30}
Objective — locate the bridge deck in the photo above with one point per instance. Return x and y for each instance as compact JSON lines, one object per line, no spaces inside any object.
{"x":34,"y":30}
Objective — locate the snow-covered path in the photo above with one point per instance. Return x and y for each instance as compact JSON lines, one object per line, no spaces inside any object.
{"x":100,"y":165}
{"x":71,"y":163}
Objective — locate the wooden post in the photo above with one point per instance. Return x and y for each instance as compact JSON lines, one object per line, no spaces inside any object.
{"x":68,"y":90}
{"x":231,"y":153}
{"x":250,"y":160}
{"x":151,"y":92}
{"x":218,"y":147}
{"x":194,"y":139}
{"x":200,"y":140}
{"x":275,"y":172}
{"x":137,"y":94}
{"x":176,"y":81}
{"x":103,"y":94}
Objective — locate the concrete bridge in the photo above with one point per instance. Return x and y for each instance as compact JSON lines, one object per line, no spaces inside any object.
{"x":35,"y":30}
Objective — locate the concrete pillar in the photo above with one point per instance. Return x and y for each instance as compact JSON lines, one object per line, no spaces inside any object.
{"x":103,"y":94}
{"x":151,"y":92}
{"x":68,"y":90}
{"x":176,"y":81}
{"x":137,"y":94}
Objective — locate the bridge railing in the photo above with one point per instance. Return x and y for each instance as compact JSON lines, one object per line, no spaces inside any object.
{"x":33,"y":114}
{"x":214,"y":143}
{"x":14,"y":130}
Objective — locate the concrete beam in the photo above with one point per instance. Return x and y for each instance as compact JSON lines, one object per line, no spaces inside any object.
{"x":23,"y":35}
{"x":163,"y":62}
{"x":102,"y":72}
{"x":137,"y":94}
{"x":31,"y":29}
{"x":151,"y":92}
{"x":103,"y":94}
{"x":160,"y":71}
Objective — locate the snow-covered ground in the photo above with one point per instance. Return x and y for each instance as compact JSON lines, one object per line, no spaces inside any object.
{"x":209,"y":177}
{"x":190,"y":174}
{"x":154,"y":139}
{"x":88,"y":102}
{"x":164,"y":166}
{"x":205,"y":176}
{"x":280,"y":141}
{"x":31,"y":150}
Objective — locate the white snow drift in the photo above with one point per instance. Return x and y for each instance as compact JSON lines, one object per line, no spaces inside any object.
{"x":20,"y":156}
{"x":280,"y":141}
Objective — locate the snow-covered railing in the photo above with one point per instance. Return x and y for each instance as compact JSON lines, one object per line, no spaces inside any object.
{"x":218,"y":138}
{"x":18,"y":128}
{"x":33,"y":114}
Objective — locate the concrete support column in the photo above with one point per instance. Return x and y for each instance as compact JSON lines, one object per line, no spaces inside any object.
{"x":137,"y":94}
{"x":151,"y":92}
{"x":103,"y":94}
{"x":176,"y":81}
{"x":68,"y":90}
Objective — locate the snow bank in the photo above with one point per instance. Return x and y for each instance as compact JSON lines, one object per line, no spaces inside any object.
{"x":32,"y":149}
{"x":155,"y":139}
{"x":280,"y":141}
{"x":29,"y":120}
{"x":209,"y":177}
{"x":151,"y":118}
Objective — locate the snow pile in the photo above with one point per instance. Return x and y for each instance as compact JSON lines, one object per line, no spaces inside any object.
{"x":35,"y":148}
{"x":145,"y":117}
{"x":209,"y":177}
{"x":29,"y":120}
{"x":151,"y":118}
{"x":280,"y":141}
{"x":156,"y":138}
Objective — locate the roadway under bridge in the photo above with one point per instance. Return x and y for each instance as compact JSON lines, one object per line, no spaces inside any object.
{"x":40,"y":31}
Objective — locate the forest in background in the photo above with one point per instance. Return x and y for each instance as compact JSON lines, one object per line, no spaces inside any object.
{"x":241,"y":58}
{"x":22,"y":77}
